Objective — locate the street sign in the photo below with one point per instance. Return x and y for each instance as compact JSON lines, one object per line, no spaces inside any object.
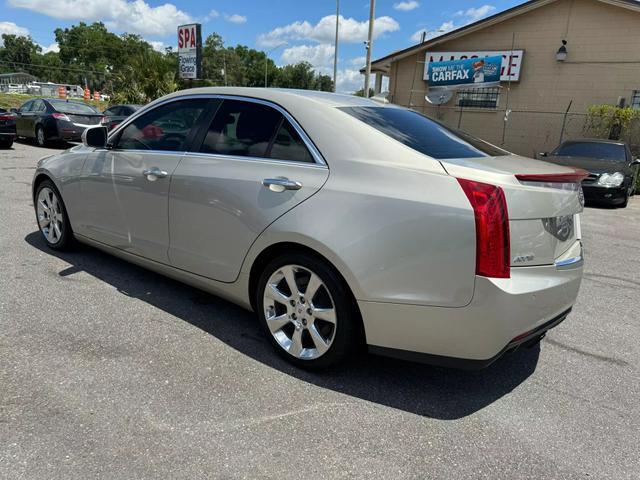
{"x":190,"y":51}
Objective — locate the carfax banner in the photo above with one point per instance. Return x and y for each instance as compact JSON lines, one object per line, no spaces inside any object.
{"x":470,"y":73}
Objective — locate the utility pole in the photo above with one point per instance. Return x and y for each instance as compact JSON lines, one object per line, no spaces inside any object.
{"x":335,"y":48}
{"x":369,"y":43}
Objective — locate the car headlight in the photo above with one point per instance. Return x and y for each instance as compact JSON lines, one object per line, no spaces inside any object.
{"x":611,"y":179}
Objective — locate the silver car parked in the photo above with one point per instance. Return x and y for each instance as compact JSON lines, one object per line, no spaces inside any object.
{"x":339,"y":221}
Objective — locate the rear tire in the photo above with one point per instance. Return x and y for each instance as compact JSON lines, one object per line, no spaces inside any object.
{"x":317,"y":329}
{"x":6,"y":144}
{"x":41,"y":139}
{"x":52,"y":218}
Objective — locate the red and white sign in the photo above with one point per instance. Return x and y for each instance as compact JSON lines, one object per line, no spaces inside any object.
{"x":187,"y":38}
{"x":511,"y":61}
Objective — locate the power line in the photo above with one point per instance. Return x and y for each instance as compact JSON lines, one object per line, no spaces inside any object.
{"x":35,"y":65}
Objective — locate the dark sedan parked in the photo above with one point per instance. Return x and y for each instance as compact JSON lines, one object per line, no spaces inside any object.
{"x":7,"y":128}
{"x":49,"y":120}
{"x":613,"y":172}
{"x":115,"y":114}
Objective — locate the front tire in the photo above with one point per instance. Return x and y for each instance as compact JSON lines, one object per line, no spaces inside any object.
{"x":306,"y":311}
{"x":51,"y":214}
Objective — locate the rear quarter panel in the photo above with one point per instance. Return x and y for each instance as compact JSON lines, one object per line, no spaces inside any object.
{"x":395,"y":235}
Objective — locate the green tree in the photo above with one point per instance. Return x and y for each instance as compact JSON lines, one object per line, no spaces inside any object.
{"x":147,"y":76}
{"x":18,"y":53}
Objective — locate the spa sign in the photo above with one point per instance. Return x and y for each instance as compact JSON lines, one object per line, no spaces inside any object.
{"x":190,"y":51}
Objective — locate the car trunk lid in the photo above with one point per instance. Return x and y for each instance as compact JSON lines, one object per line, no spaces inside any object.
{"x":543,"y":202}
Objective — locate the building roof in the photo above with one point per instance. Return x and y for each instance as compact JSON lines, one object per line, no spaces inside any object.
{"x":383,"y":64}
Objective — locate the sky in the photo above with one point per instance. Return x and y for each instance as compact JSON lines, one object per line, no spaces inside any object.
{"x":289,"y":30}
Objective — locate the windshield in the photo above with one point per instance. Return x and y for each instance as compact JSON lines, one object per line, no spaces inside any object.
{"x":424,"y":134}
{"x":601,"y":151}
{"x":73,"y":107}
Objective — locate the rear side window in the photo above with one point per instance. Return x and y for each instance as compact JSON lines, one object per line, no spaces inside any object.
{"x":287,"y":145}
{"x":602,"y":151}
{"x":423,"y":134}
{"x":166,"y":127}
{"x":243,"y":129}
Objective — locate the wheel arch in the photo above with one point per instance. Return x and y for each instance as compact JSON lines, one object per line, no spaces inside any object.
{"x":274,"y":250}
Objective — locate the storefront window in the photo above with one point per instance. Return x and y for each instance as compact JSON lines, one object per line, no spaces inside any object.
{"x":635,"y":99}
{"x":479,"y":98}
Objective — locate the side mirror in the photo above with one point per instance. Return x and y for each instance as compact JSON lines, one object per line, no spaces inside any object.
{"x":95,"y":137}
{"x":543,"y":154}
{"x":636,"y":162}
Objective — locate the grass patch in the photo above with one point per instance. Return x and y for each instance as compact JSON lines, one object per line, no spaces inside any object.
{"x":15,"y":100}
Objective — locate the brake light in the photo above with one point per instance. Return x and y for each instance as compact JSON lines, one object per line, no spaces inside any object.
{"x":493,"y":249}
{"x":60,"y":116}
{"x":104,"y":120}
{"x":575,"y":177}
{"x":7,"y":116}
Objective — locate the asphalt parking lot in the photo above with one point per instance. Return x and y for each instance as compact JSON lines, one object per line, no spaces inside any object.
{"x":110,"y":371}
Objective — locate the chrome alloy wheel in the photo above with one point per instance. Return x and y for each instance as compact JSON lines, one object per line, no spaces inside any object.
{"x":40,"y":136}
{"x":50,"y":216}
{"x":300,"y":312}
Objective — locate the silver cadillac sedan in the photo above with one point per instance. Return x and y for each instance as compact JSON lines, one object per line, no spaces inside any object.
{"x":340,"y":221}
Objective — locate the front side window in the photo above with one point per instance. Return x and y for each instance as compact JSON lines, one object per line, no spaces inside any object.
{"x":166,"y":127}
{"x":601,"y":151}
{"x":423,"y":134}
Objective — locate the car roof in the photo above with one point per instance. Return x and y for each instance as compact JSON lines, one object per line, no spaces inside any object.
{"x":280,"y":95}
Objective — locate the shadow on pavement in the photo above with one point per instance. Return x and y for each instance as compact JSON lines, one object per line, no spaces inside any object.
{"x":423,"y":390}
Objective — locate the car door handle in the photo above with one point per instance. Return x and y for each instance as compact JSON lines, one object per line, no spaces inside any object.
{"x":154,"y":173}
{"x":280,"y":184}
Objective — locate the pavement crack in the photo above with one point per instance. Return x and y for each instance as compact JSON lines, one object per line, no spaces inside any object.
{"x":603,"y":358}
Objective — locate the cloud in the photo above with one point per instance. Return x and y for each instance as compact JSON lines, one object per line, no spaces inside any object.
{"x":235,"y":18}
{"x":54,"y":47}
{"x":135,"y":16}
{"x":351,"y":30}
{"x":475,"y":14}
{"x":468,"y":16}
{"x":317,"y":55}
{"x":157,"y":46}
{"x":406,"y":6}
{"x":211,"y":15}
{"x":349,"y":81}
{"x":11,"y":28}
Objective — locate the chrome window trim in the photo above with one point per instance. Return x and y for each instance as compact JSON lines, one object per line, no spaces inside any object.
{"x":315,"y":153}
{"x":240,"y":158}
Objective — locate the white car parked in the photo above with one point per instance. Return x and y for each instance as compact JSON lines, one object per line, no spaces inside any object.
{"x":339,"y":220}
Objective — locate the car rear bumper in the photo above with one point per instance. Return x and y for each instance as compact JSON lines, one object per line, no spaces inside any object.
{"x":503,"y":314}
{"x":609,"y":194}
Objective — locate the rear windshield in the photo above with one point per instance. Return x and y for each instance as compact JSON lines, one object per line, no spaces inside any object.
{"x":601,"y":151}
{"x":73,"y":107}
{"x":424,"y":134}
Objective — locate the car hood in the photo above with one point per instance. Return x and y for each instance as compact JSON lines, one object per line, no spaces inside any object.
{"x":593,"y":165}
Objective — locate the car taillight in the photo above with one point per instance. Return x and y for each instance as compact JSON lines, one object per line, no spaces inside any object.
{"x":60,"y":116}
{"x":7,"y":116}
{"x":104,"y":120}
{"x":493,"y":249}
